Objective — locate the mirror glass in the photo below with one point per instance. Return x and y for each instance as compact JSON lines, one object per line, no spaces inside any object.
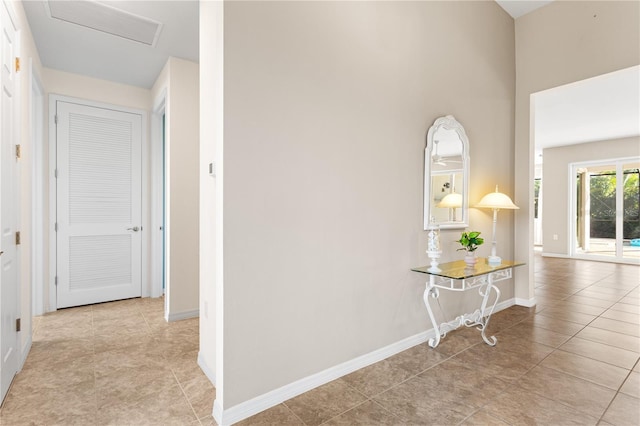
{"x":446,"y":174}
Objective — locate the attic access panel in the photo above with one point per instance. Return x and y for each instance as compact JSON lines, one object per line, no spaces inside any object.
{"x":107,"y":19}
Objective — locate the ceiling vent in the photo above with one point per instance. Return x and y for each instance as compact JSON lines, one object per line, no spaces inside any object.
{"x":100,"y":17}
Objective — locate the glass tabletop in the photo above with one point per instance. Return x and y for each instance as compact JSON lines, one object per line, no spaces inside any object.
{"x":458,"y":270}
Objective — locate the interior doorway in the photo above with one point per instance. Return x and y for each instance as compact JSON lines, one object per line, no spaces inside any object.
{"x":98,"y":202}
{"x":565,"y":121}
{"x":159,"y":202}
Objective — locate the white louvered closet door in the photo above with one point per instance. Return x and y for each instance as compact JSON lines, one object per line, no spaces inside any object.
{"x":99,"y":201}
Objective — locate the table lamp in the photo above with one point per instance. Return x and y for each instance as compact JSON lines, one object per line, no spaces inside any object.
{"x":495,"y":201}
{"x":451,"y":201}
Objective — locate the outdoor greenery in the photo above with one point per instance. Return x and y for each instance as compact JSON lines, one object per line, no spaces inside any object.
{"x":603,"y":204}
{"x":536,"y":197}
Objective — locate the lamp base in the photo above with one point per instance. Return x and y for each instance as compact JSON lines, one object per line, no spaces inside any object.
{"x":434,"y":261}
{"x":494,"y":260}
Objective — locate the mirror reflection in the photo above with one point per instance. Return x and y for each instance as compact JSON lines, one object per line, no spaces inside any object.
{"x":446,"y":174}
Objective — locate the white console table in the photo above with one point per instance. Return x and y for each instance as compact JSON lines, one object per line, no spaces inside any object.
{"x":457,"y":276}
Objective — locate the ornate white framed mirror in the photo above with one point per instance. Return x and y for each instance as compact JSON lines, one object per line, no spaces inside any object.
{"x":446,"y":175}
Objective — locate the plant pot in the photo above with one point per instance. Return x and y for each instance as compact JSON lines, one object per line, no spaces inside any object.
{"x":470,"y":259}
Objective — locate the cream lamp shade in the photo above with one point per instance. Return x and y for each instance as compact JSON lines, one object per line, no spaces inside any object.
{"x":495,"y":201}
{"x":451,"y":201}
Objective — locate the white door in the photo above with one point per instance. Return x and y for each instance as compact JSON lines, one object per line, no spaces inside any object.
{"x":99,"y":202}
{"x":8,"y":207}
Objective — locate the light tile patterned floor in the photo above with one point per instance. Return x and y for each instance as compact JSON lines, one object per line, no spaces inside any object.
{"x":573,"y":359}
{"x":115,"y":363}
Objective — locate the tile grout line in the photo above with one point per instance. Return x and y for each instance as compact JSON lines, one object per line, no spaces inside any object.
{"x":367,"y":398}
{"x":513,"y":382}
{"x":371,"y":400}
{"x":594,"y":359}
{"x":293,"y":412}
{"x":184,"y":394}
{"x":423,"y":371}
{"x":581,"y":378}
{"x":616,"y":394}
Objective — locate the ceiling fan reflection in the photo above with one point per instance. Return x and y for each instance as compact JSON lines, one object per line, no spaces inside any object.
{"x":439,"y":159}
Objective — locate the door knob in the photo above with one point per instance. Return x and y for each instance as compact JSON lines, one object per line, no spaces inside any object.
{"x":134,"y":229}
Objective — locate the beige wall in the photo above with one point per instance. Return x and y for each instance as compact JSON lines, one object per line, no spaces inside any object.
{"x":556,"y":178}
{"x":96,"y":90}
{"x":560,"y":43}
{"x":180,"y":81}
{"x":324,"y":135}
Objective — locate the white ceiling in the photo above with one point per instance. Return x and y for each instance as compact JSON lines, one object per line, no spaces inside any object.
{"x":600,"y":108}
{"x":517,"y":8}
{"x":73,"y":48}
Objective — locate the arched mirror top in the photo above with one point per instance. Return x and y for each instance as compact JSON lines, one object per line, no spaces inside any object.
{"x":446,"y":177}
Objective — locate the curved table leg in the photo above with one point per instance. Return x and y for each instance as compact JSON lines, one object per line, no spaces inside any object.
{"x":432,"y":292}
{"x":486,"y":316}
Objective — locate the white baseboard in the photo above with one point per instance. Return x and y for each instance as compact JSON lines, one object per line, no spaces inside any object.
{"x":593,"y":258}
{"x":558,"y":255}
{"x":277,"y":396}
{"x":504,"y":305}
{"x":25,"y":352}
{"x":219,"y":415}
{"x":206,"y":370}
{"x":270,"y":399}
{"x":177,"y":316}
{"x":529,"y":303}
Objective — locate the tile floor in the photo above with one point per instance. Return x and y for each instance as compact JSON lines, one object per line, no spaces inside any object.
{"x":115,"y":363}
{"x":573,"y":359}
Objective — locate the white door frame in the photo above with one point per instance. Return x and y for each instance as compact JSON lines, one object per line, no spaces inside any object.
{"x":36,"y":106}
{"x":573,"y":251}
{"x":53,"y":99}
{"x":157,"y":255}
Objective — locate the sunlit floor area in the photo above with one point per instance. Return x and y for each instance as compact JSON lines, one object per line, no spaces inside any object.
{"x":607,"y":248}
{"x":573,"y":359}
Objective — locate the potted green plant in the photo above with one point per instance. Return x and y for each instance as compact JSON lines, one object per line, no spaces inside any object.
{"x":470,"y":241}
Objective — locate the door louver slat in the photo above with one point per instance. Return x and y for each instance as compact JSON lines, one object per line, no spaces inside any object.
{"x":99,"y":170}
{"x":99,"y":261}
